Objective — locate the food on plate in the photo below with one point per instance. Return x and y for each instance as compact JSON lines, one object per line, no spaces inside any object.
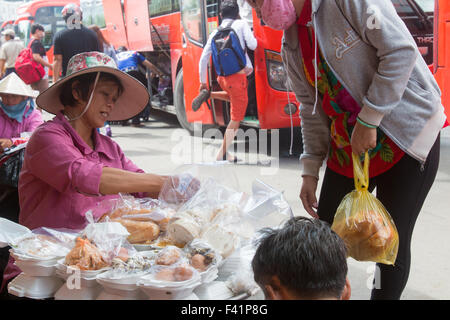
{"x":39,"y":245}
{"x":183,"y":273}
{"x":183,"y":230}
{"x":132,"y":264}
{"x":179,"y":273}
{"x":140,"y":231}
{"x":165,"y":274}
{"x":85,"y":256}
{"x":198,"y":261}
{"x":168,"y":256}
{"x":222,"y":240}
{"x":366,"y":235}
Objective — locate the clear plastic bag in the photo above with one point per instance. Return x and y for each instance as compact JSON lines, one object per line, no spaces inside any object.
{"x":45,"y":243}
{"x":144,"y":218}
{"x":364,"y":224}
{"x":98,"y":244}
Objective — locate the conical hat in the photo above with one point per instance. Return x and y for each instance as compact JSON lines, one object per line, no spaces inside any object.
{"x":12,"y":84}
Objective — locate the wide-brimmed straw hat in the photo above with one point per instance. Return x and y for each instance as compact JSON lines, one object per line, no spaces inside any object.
{"x":12,"y":84}
{"x":131,"y":102}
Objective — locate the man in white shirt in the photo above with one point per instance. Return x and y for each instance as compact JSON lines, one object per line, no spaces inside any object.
{"x":9,"y":52}
{"x":234,"y":85}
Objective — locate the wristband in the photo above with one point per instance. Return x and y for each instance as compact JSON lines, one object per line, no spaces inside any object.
{"x":365,"y":124}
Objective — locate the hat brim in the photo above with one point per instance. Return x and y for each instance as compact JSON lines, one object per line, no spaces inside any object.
{"x":131,"y":102}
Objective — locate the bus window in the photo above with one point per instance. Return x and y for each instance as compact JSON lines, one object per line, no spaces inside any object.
{"x":93,"y":13}
{"x":51,"y":19}
{"x":212,"y":8}
{"x":159,"y":7}
{"x":191,"y":16}
{"x":418,"y":17}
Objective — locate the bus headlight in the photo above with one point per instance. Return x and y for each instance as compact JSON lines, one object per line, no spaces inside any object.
{"x":276,"y":72}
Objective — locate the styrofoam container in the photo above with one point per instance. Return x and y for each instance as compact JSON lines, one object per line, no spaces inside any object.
{"x":110,"y":293}
{"x":33,"y":266}
{"x":67,"y":292}
{"x":216,"y":290}
{"x":34,"y":287}
{"x":209,"y":274}
{"x":87,"y":276}
{"x":10,"y":231}
{"x":167,"y":290}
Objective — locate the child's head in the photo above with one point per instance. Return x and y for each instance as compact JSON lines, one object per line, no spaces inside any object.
{"x":229,"y":9}
{"x":304,"y":259}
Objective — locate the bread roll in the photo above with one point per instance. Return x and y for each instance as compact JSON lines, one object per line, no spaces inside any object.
{"x":140,"y":231}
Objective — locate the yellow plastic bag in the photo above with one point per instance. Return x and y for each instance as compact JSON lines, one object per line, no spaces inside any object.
{"x":363,"y":223}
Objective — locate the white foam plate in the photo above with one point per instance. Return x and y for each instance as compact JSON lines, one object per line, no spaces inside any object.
{"x":34,"y":287}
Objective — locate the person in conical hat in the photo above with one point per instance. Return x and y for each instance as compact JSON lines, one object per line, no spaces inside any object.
{"x":18,"y":114}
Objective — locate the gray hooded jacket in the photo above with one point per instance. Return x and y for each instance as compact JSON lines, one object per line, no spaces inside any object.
{"x":374,"y":56}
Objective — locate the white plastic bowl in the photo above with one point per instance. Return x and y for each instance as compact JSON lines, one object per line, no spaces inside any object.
{"x":34,"y":287}
{"x":110,"y":293}
{"x":87,"y":276}
{"x":168,"y":290}
{"x":82,"y":293}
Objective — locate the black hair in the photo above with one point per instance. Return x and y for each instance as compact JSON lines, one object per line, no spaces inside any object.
{"x":35,"y":27}
{"x":229,"y":9}
{"x":83,"y":85}
{"x":307,"y":256}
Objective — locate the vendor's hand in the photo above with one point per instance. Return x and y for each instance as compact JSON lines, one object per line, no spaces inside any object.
{"x":180,"y":188}
{"x":5,"y":143}
{"x":308,"y":195}
{"x":203,"y":86}
{"x":363,"y":139}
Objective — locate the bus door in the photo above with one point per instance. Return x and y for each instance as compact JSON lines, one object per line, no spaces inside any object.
{"x":442,"y":51}
{"x":137,"y":23}
{"x":114,"y":23}
{"x":194,"y":35}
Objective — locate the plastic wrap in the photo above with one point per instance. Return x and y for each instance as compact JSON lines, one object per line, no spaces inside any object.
{"x":364,"y":224}
{"x":241,"y":279}
{"x":145,"y":219}
{"x":43,"y":243}
{"x":98,"y":244}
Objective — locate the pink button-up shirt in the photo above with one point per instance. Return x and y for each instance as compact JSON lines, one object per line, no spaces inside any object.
{"x":11,"y":128}
{"x":60,"y":177}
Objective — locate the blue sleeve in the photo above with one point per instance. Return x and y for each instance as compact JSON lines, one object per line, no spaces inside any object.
{"x":140,"y":57}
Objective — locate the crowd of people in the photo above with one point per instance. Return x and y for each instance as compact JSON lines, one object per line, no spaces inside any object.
{"x":390,"y":102}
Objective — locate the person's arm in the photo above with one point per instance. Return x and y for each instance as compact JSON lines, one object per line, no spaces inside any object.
{"x":378,"y":25}
{"x":152,"y":67}
{"x":204,"y":60}
{"x":57,"y":162}
{"x":37,"y":57}
{"x":57,"y":67}
{"x":114,"y":181}
{"x":249,"y":37}
{"x":2,"y":67}
{"x":5,"y":143}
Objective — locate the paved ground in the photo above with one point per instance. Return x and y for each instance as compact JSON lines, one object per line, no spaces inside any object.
{"x":161,"y":147}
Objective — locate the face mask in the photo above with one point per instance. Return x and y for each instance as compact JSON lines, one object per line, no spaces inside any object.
{"x":17,"y":111}
{"x":278,"y":14}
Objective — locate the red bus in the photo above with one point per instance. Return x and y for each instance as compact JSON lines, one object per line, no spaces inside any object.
{"x":172,"y":33}
{"x":46,"y":13}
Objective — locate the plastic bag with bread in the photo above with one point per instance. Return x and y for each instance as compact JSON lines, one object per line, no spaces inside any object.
{"x":363,"y":223}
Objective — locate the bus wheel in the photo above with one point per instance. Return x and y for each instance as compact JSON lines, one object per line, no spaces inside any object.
{"x":179,"y":102}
